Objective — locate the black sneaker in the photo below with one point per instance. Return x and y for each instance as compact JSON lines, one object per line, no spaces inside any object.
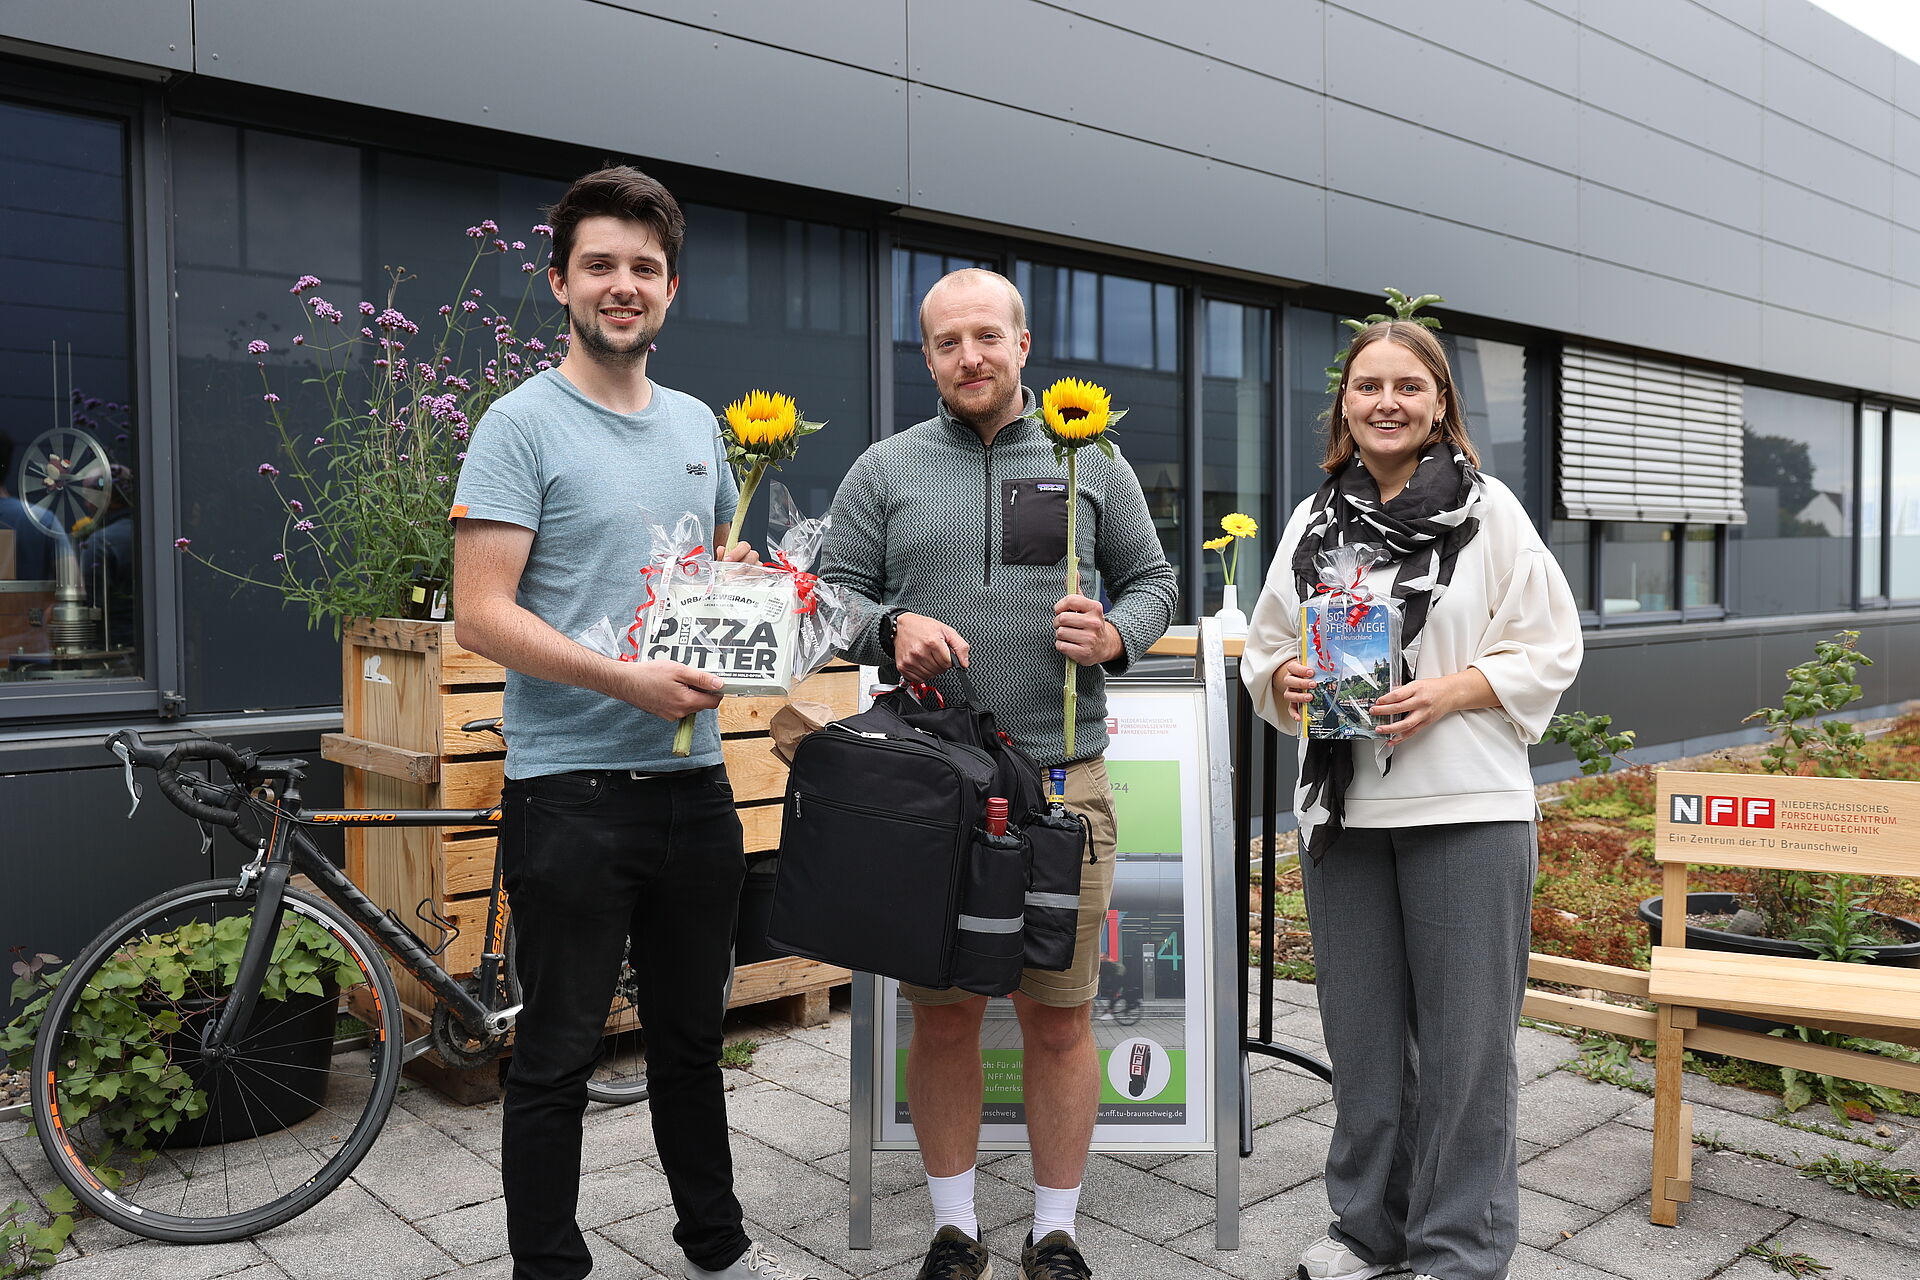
{"x":1054,"y":1258}
{"x":955,"y":1255}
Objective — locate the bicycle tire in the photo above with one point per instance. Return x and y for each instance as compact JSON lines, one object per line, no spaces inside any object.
{"x":619,"y":1078}
{"x":146,"y":1177}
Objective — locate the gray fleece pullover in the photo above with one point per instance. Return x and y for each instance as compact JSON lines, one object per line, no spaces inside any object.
{"x":932,"y":521}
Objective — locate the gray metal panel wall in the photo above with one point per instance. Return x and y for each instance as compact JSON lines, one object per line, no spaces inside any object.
{"x":153,"y":33}
{"x":1731,"y":180}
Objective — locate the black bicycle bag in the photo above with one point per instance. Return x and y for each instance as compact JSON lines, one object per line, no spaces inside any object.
{"x":877,"y":863}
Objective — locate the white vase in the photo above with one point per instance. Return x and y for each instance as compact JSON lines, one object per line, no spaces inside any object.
{"x":1232,"y":621}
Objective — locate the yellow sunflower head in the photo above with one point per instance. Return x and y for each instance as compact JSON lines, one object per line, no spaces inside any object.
{"x":1239,"y":526}
{"x":762,"y":420}
{"x":1075,"y":412}
{"x":1217,"y":544}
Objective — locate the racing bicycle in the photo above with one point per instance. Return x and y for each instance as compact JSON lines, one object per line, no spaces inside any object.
{"x":187,"y":1084}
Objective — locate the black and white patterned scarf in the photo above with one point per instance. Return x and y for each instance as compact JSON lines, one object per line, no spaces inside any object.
{"x":1422,"y":530}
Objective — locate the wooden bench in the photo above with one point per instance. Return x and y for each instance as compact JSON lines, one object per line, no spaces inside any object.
{"x":1822,"y":825}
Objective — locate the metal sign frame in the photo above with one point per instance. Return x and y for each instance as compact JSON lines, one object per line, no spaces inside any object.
{"x":1218,"y":943}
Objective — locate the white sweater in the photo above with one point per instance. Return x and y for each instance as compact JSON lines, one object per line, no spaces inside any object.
{"x":1508,"y":612}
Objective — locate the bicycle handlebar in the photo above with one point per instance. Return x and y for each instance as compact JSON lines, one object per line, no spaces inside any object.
{"x":166,"y":761}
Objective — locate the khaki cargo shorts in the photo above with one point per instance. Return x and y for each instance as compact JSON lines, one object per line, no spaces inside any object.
{"x":1090,"y":794}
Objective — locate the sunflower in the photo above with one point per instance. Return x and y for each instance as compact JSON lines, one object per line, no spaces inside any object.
{"x":1217,"y":544}
{"x":1075,"y":411}
{"x":1239,"y":526}
{"x":761,"y":419}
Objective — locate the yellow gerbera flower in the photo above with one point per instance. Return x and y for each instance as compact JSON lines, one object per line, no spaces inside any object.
{"x":1217,"y":544}
{"x":1239,"y":526}
{"x":762,"y":418}
{"x":1075,"y":410}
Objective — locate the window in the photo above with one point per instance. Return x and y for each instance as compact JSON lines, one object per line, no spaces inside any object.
{"x":71,"y":474}
{"x":1903,"y":511}
{"x":1492,"y":378}
{"x":1636,"y":568}
{"x":1124,"y":334}
{"x":1314,"y":340}
{"x":258,"y":209}
{"x":1237,"y":404}
{"x":1795,"y":553}
{"x":1572,"y":545}
{"x":915,"y":271}
{"x":1873,"y":511}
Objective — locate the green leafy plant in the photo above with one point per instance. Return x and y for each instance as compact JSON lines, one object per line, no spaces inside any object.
{"x":1608,"y":1059}
{"x":1842,"y":928}
{"x":738,"y":1054}
{"x":26,"y":1246}
{"x":1590,"y":738}
{"x":1804,"y":743}
{"x":1869,"y":1178}
{"x":1404,"y":308}
{"x":366,"y":479}
{"x":1793,"y":1264}
{"x":1847,"y":1099}
{"x":141,"y":998}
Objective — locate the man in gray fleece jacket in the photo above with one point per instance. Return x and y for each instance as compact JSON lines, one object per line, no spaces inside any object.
{"x":953,"y":535}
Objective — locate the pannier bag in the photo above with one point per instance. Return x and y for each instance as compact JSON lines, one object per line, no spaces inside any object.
{"x":1058,"y":843}
{"x":876,"y":846}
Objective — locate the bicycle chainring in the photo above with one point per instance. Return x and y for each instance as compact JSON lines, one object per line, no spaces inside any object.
{"x":455,"y":1044}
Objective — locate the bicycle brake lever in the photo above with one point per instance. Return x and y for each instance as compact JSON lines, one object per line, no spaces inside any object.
{"x":133,"y":787}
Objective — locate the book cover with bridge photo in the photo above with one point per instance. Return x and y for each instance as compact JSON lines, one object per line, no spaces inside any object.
{"x":1354,"y":651}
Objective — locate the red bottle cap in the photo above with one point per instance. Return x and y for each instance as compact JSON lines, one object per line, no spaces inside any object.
{"x":996,"y":816}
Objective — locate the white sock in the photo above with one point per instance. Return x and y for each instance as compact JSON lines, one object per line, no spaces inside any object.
{"x":1053,"y":1210}
{"x":953,"y":1203}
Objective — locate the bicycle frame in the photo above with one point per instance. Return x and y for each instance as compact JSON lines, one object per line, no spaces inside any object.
{"x":287,"y":848}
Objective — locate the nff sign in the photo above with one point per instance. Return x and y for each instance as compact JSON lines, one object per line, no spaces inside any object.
{"x":1721,"y":811}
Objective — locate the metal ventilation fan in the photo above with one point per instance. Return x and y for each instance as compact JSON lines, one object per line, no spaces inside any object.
{"x":65,"y":474}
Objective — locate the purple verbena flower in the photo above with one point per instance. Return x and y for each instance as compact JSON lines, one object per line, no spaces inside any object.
{"x":489,"y":226}
{"x":324,"y":310}
{"x":268,"y":469}
{"x":366,"y":308}
{"x":295,"y":504}
{"x":446,"y":310}
{"x":501,"y":245}
{"x":469,"y":306}
{"x":304,"y":283}
{"x":542,"y":229}
{"x":366,"y":333}
{"x":271,"y":398}
{"x":476,"y":293}
{"x":181,"y":544}
{"x":299,"y":339}
{"x":278,"y":557}
{"x":257,"y":348}
{"x":304,"y":526}
{"x":519,"y":244}
{"x":459,"y":457}
{"x":528,"y":267}
{"x":441,"y":479}
{"x":404,"y":458}
{"x":319,"y":439}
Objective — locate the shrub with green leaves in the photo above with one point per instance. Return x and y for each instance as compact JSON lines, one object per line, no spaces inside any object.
{"x":1590,"y":738}
{"x":26,"y":1246}
{"x":141,"y":998}
{"x":1404,"y":308}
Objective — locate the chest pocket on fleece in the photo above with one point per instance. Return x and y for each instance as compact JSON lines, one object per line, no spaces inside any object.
{"x":1033,"y":521}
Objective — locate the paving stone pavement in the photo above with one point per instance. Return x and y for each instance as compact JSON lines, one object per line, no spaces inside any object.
{"x":426,"y":1201}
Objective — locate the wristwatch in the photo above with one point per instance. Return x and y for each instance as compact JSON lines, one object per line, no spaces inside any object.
{"x":890,"y":628}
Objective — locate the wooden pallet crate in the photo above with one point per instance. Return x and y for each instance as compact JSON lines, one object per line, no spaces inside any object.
{"x":406,"y":689}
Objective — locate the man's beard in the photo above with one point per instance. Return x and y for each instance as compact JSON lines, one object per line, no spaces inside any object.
{"x":600,"y":348}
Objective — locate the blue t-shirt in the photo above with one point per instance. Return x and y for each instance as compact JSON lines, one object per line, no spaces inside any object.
{"x":549,"y":459}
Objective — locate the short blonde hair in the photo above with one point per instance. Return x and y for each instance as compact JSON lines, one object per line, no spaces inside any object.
{"x":1017,"y":305}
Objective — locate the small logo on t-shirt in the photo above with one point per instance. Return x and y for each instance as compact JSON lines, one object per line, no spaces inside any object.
{"x":696,"y":468}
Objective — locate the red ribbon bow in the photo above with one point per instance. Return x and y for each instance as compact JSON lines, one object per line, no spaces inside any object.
{"x":1355,"y":591}
{"x":804,"y":583}
{"x":688,"y":565}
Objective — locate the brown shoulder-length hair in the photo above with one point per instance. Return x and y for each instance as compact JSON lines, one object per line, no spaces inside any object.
{"x":1419,"y":340}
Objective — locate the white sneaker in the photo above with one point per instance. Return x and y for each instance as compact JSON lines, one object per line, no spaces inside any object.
{"x":751,"y":1265}
{"x":1328,"y":1259}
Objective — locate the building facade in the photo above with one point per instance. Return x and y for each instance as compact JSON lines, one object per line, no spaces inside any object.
{"x":1678,"y":242}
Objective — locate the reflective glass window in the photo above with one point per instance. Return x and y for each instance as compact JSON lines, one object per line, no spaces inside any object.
{"x":1571,"y":542}
{"x":1873,"y":513}
{"x":1636,"y":568}
{"x":915,"y":271}
{"x":1795,"y":552}
{"x":1699,"y":566}
{"x":1903,"y":514}
{"x":1314,"y":339}
{"x":71,"y":477}
{"x":1492,"y":377}
{"x":1237,"y":440}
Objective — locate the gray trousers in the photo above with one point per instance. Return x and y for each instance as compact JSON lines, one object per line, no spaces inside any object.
{"x":1420,"y":939}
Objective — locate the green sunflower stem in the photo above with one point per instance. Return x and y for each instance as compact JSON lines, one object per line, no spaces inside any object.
{"x":1070,"y":696}
{"x":740,"y":511}
{"x":683,"y":737}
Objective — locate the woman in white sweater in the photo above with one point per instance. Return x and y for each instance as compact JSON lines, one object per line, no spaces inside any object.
{"x":1418,"y":852}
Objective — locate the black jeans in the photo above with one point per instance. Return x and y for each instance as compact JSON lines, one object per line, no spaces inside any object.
{"x":592,"y":859}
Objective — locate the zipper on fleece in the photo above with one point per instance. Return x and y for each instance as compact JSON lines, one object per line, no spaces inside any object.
{"x":992,"y":507}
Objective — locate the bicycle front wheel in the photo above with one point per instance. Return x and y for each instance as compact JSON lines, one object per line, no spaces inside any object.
{"x":620,"y":1075}
{"x":168,"y":1138}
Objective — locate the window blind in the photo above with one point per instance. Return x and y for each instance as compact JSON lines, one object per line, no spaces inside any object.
{"x":1645,"y":439}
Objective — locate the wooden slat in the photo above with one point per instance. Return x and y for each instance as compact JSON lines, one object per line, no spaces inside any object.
{"x":786,"y":976}
{"x":756,"y":774}
{"x":1785,"y":988}
{"x":761,"y":823}
{"x":1782,"y":1052}
{"x":1551,"y":1006}
{"x":1188,"y":646}
{"x":458,"y":708}
{"x":469,"y":865}
{"x":377,"y":757}
{"x":1585,"y":973}
{"x":838,"y":688}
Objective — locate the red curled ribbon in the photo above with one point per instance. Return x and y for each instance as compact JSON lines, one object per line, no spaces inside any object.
{"x":1355,"y":591}
{"x":804,"y":583}
{"x":688,"y":565}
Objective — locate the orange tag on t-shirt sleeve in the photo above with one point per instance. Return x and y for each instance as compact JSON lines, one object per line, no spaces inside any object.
{"x":459,"y":510}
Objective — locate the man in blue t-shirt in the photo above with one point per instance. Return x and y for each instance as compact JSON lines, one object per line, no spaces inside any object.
{"x":609,"y":838}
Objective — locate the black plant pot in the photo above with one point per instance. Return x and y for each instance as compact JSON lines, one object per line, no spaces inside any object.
{"x":1903,"y":953}
{"x":288,"y":1049}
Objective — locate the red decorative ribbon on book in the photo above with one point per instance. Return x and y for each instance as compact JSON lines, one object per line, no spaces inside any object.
{"x":804,"y":583}
{"x":1356,"y":591}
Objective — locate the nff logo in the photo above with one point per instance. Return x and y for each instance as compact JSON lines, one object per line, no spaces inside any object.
{"x":1720,"y":811}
